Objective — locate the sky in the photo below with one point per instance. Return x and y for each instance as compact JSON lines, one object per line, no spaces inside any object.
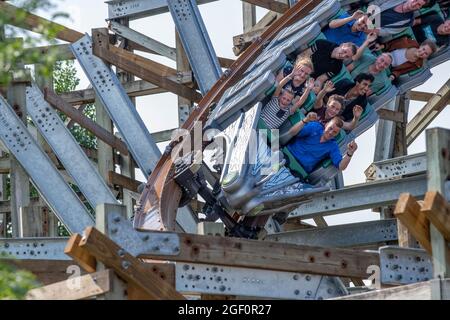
{"x":223,"y":20}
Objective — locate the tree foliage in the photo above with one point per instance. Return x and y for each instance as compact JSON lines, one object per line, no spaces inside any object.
{"x":65,"y":79}
{"x":14,"y":40}
{"x":15,"y":283}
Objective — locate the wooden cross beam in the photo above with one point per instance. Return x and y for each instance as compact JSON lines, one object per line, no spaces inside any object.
{"x":133,"y":271}
{"x":437,"y":210}
{"x":115,"y":178}
{"x":141,"y":67}
{"x":243,"y":41}
{"x":428,"y":113}
{"x":271,"y":256}
{"x":83,"y":287}
{"x":272,"y":5}
{"x":32,"y":22}
{"x":408,"y":211}
{"x":60,"y":104}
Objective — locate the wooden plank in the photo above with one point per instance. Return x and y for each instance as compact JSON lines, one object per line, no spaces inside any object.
{"x":242,"y":41}
{"x":32,"y":22}
{"x":46,"y":271}
{"x":420,"y":96}
{"x":416,"y":291}
{"x":391,"y":115}
{"x":248,"y":16}
{"x":126,"y":266}
{"x":115,"y":178}
{"x":428,"y":113}
{"x":272,"y":5}
{"x":79,"y":254}
{"x":78,"y":116}
{"x":271,"y":256}
{"x":61,"y":51}
{"x":136,"y":88}
{"x":408,"y":212}
{"x":437,"y":210}
{"x":141,"y":67}
{"x":5,"y":165}
{"x":84,"y":287}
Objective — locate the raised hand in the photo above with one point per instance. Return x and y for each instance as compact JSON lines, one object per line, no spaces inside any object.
{"x":352,"y":147}
{"x":310,"y":84}
{"x":357,"y":111}
{"x":371,"y":37}
{"x":329,"y":86}
{"x":357,"y":14}
{"x":312,"y":116}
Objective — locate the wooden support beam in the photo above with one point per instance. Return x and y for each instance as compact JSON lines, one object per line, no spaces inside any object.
{"x":134,"y":89}
{"x":5,"y":165}
{"x":79,"y":254}
{"x":126,"y":266}
{"x":60,"y":51}
{"x":83,"y":287}
{"x":32,"y":22}
{"x":420,"y":96}
{"x":141,"y":67}
{"x":270,"y":256}
{"x":428,"y":113}
{"x":416,"y":291}
{"x":243,"y":41}
{"x":60,"y":104}
{"x":395,"y":116}
{"x":437,"y":210}
{"x":408,"y":211}
{"x":46,"y":271}
{"x":115,"y":178}
{"x":272,"y":5}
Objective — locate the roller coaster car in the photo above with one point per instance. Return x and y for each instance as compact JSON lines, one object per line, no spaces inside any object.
{"x":255,"y":175}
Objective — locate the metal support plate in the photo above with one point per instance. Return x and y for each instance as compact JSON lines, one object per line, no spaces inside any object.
{"x":118,"y":105}
{"x":59,"y":196}
{"x":67,"y":149}
{"x":196,"y":42}
{"x":397,"y":167}
{"x":361,"y":196}
{"x":134,"y":242}
{"x":34,"y":248}
{"x":224,"y":280}
{"x":135,"y":9}
{"x":347,"y":235}
{"x":400,"y":266}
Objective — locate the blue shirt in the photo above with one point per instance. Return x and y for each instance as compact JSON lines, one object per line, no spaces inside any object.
{"x":309,"y":151}
{"x":344,"y":33}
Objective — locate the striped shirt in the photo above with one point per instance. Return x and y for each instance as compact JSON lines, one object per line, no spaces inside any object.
{"x":273,"y":115}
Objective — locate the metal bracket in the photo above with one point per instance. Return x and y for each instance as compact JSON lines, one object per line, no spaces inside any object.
{"x":67,"y":149}
{"x":118,"y":105}
{"x":135,"y":9}
{"x":224,"y":280}
{"x":134,"y":242}
{"x":196,"y":42}
{"x":34,"y":248}
{"x":397,"y":167}
{"x":60,"y":197}
{"x":401,"y":266}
